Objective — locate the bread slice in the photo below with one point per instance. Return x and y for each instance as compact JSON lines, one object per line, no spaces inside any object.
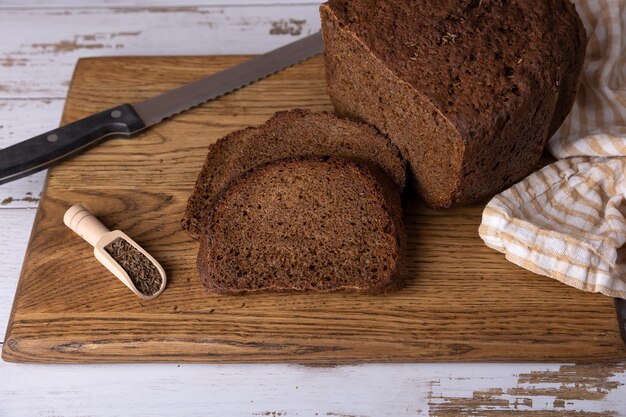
{"x":288,"y":134}
{"x":304,"y":224}
{"x":469,"y":90}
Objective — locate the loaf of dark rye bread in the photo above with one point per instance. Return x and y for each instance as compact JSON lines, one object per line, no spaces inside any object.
{"x":470,"y":90}
{"x":291,"y":133}
{"x":305,"y":224}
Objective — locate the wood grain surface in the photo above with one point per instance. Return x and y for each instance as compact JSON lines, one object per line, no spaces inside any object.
{"x":464,"y":301}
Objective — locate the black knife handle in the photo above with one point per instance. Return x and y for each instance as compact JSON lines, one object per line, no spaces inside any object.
{"x":38,"y":153}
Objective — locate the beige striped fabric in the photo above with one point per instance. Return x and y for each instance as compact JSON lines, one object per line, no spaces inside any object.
{"x":568,"y":220}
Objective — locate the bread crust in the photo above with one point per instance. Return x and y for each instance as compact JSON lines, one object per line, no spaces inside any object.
{"x":385,"y":195}
{"x":290,"y":133}
{"x":469,"y":91}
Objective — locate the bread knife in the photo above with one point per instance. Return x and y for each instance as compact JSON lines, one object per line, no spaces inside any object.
{"x":41,"y":151}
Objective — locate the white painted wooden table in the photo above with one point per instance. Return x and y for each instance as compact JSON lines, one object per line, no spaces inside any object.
{"x":40,"y":42}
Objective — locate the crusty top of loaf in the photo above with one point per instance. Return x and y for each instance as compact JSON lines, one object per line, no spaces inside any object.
{"x":302,"y":224}
{"x":473,"y":59}
{"x":291,"y":133}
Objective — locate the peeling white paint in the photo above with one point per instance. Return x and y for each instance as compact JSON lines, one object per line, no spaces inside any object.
{"x":492,"y":387}
{"x":34,"y":77}
{"x":49,"y":53}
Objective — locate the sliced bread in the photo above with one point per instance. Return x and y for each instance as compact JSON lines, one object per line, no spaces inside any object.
{"x":470,"y":90}
{"x":305,"y":224}
{"x":291,"y":133}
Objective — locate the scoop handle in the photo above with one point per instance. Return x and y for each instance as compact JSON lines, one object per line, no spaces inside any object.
{"x":85,"y":224}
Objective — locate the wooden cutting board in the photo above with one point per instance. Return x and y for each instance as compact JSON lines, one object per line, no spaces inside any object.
{"x":464,"y":302}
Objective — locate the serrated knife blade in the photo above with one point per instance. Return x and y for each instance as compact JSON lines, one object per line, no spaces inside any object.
{"x":41,"y":151}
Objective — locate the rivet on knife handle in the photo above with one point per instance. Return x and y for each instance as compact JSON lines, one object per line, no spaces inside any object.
{"x":42,"y":151}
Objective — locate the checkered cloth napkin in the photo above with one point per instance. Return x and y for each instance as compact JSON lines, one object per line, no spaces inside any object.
{"x":568,"y":220}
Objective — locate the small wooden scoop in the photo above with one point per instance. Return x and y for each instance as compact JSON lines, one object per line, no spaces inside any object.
{"x":85,"y":224}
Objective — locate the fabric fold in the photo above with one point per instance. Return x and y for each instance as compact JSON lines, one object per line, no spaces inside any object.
{"x":567,"y":221}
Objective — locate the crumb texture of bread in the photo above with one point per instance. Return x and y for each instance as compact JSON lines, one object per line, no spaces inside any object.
{"x":303,"y":224}
{"x":292,"y":133}
{"x":469,"y":90}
